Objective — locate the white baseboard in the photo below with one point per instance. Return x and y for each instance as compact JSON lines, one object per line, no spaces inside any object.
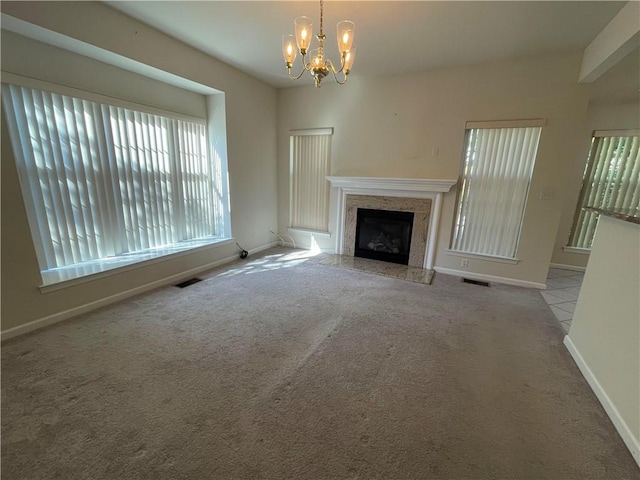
{"x":490,"y":278}
{"x":632,"y":443}
{"x":290,"y":244}
{"x":87,"y":307}
{"x":567,"y":267}
{"x":286,"y":244}
{"x":262,"y":248}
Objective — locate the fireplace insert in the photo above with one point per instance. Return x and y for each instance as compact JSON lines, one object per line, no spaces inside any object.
{"x":383,"y":235}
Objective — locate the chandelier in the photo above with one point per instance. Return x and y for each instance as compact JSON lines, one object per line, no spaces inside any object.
{"x":319,"y":66}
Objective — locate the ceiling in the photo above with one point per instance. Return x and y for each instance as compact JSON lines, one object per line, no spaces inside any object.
{"x":393,"y":37}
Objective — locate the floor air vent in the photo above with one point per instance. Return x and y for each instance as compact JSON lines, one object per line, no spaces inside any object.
{"x":186,"y":283}
{"x":476,"y":282}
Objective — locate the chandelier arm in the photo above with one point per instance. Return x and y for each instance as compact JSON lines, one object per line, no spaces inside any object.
{"x":305,"y":68}
{"x":329,"y":64}
{"x":332,"y":66}
{"x":341,"y":64}
{"x":335,"y":76}
{"x":297,"y":77}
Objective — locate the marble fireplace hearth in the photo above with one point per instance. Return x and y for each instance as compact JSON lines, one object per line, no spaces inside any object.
{"x":387,"y":269}
{"x":422,"y":197}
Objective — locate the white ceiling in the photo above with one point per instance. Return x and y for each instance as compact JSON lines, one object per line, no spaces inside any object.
{"x":393,"y":37}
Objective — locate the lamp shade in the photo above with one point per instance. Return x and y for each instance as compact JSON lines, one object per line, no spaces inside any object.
{"x":304,"y":32}
{"x":346,"y":31}
{"x":289,"y":50}
{"x":349,"y":58}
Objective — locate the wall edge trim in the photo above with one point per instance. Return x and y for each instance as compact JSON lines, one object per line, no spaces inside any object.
{"x":491,"y":278}
{"x":87,"y":307}
{"x":631,"y":442}
{"x":568,"y":267}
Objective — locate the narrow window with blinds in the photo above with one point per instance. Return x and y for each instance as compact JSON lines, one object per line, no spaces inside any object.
{"x":102,"y":182}
{"x":611,"y":181}
{"x":310,"y":165}
{"x":497,"y":166}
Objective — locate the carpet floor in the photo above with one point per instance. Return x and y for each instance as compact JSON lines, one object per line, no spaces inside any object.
{"x":280,"y":367}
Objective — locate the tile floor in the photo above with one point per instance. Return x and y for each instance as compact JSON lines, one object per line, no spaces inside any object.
{"x":563,"y":287}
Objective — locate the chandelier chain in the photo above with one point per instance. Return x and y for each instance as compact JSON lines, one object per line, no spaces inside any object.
{"x":321,"y":14}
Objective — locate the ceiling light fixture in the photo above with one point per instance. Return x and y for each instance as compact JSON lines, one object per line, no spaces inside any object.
{"x":318,"y":65}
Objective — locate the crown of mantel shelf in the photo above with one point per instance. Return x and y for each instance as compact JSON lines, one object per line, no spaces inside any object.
{"x":397,"y":184}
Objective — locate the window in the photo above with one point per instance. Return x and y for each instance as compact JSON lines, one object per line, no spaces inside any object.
{"x":310,"y":157}
{"x":496,"y":172}
{"x":611,"y":181}
{"x":102,"y":181}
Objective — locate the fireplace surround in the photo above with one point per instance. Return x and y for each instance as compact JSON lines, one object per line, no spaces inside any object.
{"x":422,"y":197}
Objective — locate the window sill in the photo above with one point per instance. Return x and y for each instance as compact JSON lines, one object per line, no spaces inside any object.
{"x":581,"y":251}
{"x":489,"y":258}
{"x":314,"y":233}
{"x":60,"y":278}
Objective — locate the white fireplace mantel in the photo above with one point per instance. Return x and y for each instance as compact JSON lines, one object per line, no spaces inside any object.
{"x":404,"y":185}
{"x":392,"y":187}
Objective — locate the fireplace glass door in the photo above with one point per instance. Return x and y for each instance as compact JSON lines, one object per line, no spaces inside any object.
{"x":383,"y":235}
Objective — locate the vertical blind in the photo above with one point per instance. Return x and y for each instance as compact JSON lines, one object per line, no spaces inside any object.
{"x":310,"y":156}
{"x":101,"y":181}
{"x":611,"y":181}
{"x":497,"y":168}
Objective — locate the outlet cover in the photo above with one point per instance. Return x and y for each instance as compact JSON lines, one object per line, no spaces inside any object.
{"x":546,"y":194}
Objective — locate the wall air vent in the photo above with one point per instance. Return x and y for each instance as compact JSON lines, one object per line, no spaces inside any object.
{"x":186,"y":283}
{"x":476,"y":282}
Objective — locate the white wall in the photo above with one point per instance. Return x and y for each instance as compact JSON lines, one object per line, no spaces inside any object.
{"x":388,"y":127}
{"x":605,"y":330}
{"x":251,"y":118}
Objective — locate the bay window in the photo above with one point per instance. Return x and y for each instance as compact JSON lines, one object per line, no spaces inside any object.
{"x":103,"y":181}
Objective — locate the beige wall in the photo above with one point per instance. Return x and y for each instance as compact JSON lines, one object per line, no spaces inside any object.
{"x":34,"y":59}
{"x":617,"y":116}
{"x":605,"y":330}
{"x":251,"y":133}
{"x":388,"y":127}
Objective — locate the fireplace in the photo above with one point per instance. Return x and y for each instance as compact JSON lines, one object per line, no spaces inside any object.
{"x":422,"y":197}
{"x":383,"y":235}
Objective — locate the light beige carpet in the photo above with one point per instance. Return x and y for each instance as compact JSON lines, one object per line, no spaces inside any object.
{"x":279,"y":368}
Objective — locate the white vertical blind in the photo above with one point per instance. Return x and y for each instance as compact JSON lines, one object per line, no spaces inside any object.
{"x":611,"y":181}
{"x":101,"y":181}
{"x":497,"y":169}
{"x":310,"y":157}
